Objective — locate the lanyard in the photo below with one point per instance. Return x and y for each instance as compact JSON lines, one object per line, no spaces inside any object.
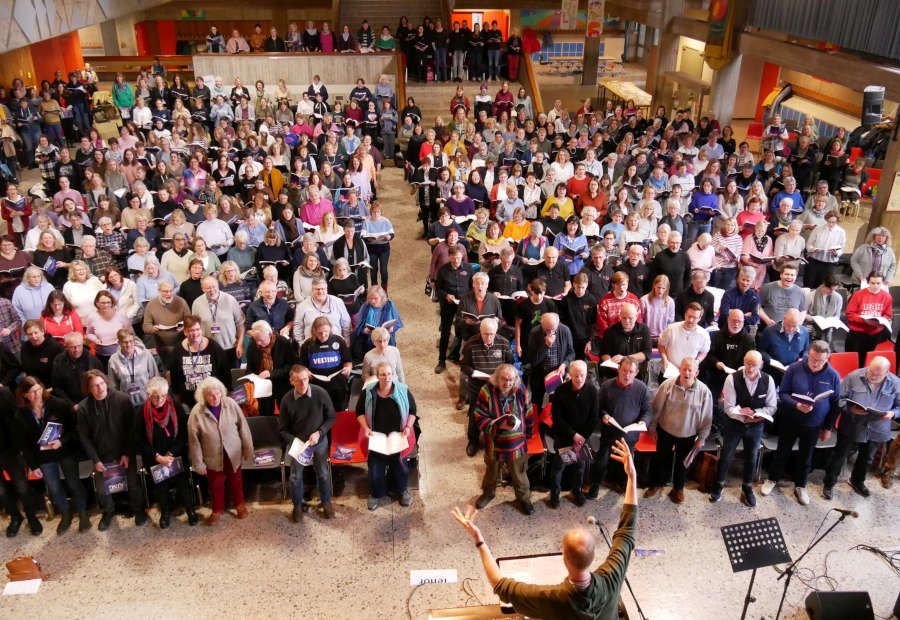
{"x":194,"y":360}
{"x":213,"y":309}
{"x":131,"y":360}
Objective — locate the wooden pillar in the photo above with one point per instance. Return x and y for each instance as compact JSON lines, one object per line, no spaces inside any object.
{"x":590,"y":60}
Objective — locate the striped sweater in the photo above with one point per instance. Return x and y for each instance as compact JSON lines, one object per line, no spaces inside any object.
{"x":500,"y":443}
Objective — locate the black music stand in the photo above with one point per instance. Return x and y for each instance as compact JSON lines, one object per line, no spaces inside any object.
{"x":753,"y":545}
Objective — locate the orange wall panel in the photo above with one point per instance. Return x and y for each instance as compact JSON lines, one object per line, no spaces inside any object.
{"x":486,"y":18}
{"x":59,"y":53}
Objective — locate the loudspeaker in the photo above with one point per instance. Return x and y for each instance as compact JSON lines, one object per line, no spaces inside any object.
{"x":873,"y":99}
{"x":839,"y":606}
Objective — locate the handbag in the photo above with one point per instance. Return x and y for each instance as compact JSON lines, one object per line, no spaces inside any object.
{"x":24,"y":568}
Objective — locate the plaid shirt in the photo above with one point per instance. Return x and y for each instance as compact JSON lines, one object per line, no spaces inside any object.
{"x":10,"y":319}
{"x":111,"y":242}
{"x":48,"y":168}
{"x":99,"y":264}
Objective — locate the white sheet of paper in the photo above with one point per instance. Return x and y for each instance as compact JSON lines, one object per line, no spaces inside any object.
{"x":28,"y":586}
{"x":261,"y":387}
{"x":671,"y":371}
{"x":728,"y":369}
{"x":477,"y":374}
{"x":609,"y":364}
{"x":637,"y":426}
{"x":774,"y":363}
{"x":387,"y":444}
{"x":437,"y":575}
{"x":297,"y":448}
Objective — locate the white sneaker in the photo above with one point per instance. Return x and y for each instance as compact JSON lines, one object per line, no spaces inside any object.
{"x":767,"y":487}
{"x":802,"y":495}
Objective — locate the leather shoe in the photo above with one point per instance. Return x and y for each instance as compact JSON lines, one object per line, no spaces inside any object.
{"x":192,"y":516}
{"x":84,"y":522}
{"x":460,"y":405}
{"x":441,"y":367}
{"x":471,"y":449}
{"x":164,"y":520}
{"x":715,"y":494}
{"x":652,"y":492}
{"x":677,"y":496}
{"x":140,"y":517}
{"x":13,"y":528}
{"x":372,"y":503}
{"x":34,"y":526}
{"x":65,"y":520}
{"x":861,"y":488}
{"x":405,"y":498}
{"x":828,"y":492}
{"x":578,"y":498}
{"x":593,"y":491}
{"x":105,"y":521}
{"x":747,"y":496}
{"x":887,"y":479}
{"x":328,"y":509}
{"x":554,"y":500}
{"x":213,"y":518}
{"x":297,"y":514}
{"x":483,"y":501}
{"x":242,"y":511}
{"x":526,"y":507}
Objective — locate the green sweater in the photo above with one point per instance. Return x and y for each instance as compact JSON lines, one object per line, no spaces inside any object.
{"x":599,"y":601}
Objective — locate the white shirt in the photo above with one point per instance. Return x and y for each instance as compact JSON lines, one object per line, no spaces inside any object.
{"x":333,"y":309}
{"x":681,"y":343}
{"x":216,"y":233}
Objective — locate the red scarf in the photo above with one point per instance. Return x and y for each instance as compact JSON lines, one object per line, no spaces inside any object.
{"x":152,"y":416}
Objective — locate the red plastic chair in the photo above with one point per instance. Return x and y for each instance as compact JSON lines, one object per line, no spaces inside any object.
{"x":345,"y":433}
{"x":890,"y":355}
{"x":855,"y":153}
{"x":645,"y":443}
{"x":872,"y":182}
{"x":755,"y":131}
{"x":887,"y":345}
{"x":845,"y":362}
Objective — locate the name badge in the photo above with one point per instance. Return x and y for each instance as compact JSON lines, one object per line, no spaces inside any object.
{"x":134,"y":389}
{"x":215,"y":329}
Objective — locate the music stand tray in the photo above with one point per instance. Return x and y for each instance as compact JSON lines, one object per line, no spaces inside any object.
{"x":753,"y":545}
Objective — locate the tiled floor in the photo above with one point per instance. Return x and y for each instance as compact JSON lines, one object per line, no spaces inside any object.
{"x":357,"y":566}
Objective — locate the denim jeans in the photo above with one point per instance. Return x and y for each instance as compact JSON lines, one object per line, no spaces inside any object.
{"x":459,"y":62}
{"x":723,"y":277}
{"x":82,"y":117}
{"x":733,"y":432}
{"x":55,"y":488}
{"x":379,"y":466}
{"x":388,"y":137}
{"x":494,"y":62}
{"x":55,"y":135}
{"x":323,"y":474}
{"x":135,"y":492}
{"x":440,"y":63}
{"x":30,"y":136}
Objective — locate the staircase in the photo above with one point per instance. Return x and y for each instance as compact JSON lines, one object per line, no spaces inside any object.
{"x":434,"y":98}
{"x":386,"y":13}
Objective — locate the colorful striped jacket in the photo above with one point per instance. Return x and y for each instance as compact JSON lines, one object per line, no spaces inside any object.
{"x":501,"y":443}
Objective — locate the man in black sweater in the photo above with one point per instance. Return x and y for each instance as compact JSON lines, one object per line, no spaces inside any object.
{"x":554,"y":273}
{"x":475,"y":306}
{"x":69,"y":368}
{"x":696,"y":292}
{"x":505,"y":280}
{"x":550,"y":349}
{"x":575,"y":416}
{"x":453,"y":280}
{"x":38,"y":352}
{"x":105,"y":419}
{"x":637,"y":271}
{"x":626,"y":337}
{"x":727,"y":348}
{"x":306,"y":415}
{"x":623,"y":401}
{"x":674,"y":264}
{"x":598,"y":272}
{"x":579,"y":312}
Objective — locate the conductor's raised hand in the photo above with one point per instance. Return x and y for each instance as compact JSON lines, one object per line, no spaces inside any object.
{"x":468,"y":521}
{"x":621,"y":453}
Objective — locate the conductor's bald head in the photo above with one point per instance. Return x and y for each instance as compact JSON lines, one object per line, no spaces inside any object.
{"x":578,"y":549}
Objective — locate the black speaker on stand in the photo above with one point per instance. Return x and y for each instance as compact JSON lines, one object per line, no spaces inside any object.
{"x":873,"y":101}
{"x":839,"y":606}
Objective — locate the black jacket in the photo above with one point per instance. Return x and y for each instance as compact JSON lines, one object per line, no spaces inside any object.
{"x":574,"y":412}
{"x":283,"y":357}
{"x":29,"y":430}
{"x":579,"y":314}
{"x":598,"y":281}
{"x":67,"y":374}
{"x":163,"y":442}
{"x":105,"y":428}
{"x":38,"y":361}
{"x":705,"y":299}
{"x":638,"y":277}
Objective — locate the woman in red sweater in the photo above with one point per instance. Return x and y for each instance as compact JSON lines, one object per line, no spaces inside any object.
{"x":869,"y":314}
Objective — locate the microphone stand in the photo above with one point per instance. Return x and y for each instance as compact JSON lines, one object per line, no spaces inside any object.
{"x":789,"y":571}
{"x":627,"y":584}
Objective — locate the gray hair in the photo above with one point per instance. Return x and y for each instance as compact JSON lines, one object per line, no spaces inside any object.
{"x":481,"y":276}
{"x":140,"y":243}
{"x":210,"y":383}
{"x":242,"y":236}
{"x":157,"y":385}
{"x":578,"y":364}
{"x":380,"y":333}
{"x":489,"y":323}
{"x":103,"y":219}
{"x":89,"y":239}
{"x":261,"y":327}
{"x":31,"y":271}
{"x":748,"y":270}
{"x":341,"y":262}
{"x":820,"y":346}
{"x":163,"y":282}
{"x":495,"y":376}
{"x":537,"y":228}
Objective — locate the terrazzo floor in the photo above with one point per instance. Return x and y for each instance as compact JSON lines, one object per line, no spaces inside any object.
{"x":357,"y":566}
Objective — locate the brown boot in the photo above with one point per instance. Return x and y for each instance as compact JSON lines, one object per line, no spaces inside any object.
{"x":213,"y":518}
{"x":242,"y":511}
{"x":329,"y":510}
{"x":887,"y":478}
